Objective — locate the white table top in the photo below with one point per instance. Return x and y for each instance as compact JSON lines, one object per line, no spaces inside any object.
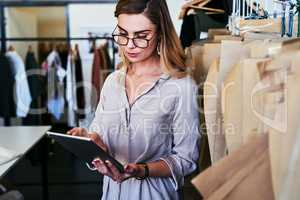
{"x":19,"y":139}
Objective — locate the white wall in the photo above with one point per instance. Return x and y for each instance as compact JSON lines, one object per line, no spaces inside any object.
{"x":21,"y":23}
{"x":174,"y":8}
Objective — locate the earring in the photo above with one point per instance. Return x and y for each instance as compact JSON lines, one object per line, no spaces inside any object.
{"x":158,"y":49}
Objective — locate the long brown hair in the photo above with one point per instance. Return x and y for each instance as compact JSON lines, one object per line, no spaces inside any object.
{"x":172,"y":56}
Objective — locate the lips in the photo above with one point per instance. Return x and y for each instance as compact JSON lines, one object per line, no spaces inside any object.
{"x":132,"y":55}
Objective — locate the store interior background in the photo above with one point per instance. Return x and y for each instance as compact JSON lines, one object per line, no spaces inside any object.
{"x":69,"y":178}
{"x":47,"y":22}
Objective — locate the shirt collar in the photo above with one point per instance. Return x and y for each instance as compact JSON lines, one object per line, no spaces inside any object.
{"x":165,"y":76}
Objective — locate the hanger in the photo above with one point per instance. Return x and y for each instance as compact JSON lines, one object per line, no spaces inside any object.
{"x":201,"y":5}
{"x":29,"y":49}
{"x":186,"y":7}
{"x":11,"y":48}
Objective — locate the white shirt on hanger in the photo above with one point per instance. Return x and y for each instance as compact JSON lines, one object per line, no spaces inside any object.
{"x":22,"y":93}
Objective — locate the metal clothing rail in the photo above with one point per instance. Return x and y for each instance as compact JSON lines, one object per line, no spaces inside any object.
{"x":66,"y":39}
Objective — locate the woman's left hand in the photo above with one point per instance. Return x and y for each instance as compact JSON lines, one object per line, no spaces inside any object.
{"x":130,"y":170}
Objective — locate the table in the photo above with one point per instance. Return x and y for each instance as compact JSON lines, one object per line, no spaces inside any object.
{"x":19,"y":139}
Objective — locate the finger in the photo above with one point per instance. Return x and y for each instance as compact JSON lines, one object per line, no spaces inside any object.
{"x":115,"y":172}
{"x":75,"y":131}
{"x":96,"y":160}
{"x":107,"y":171}
{"x":130,"y":169}
{"x":98,"y":141}
{"x":102,"y":168}
{"x":99,"y":165}
{"x":71,"y":131}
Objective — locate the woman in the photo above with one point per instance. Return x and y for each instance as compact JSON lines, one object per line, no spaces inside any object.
{"x":147,"y":115}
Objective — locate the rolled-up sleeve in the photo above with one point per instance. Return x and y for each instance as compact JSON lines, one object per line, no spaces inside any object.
{"x":185,"y":129}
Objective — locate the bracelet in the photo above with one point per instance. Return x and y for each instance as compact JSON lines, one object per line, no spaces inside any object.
{"x":145,"y":166}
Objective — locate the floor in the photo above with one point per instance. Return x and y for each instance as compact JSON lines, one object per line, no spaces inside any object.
{"x":69,"y":178}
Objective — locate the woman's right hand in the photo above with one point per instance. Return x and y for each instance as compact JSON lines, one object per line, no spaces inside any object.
{"x":81,"y":132}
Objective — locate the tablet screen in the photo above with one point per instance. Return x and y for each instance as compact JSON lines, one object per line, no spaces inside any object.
{"x":84,"y":148}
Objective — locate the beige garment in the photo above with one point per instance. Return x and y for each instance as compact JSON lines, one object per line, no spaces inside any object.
{"x":220,"y":38}
{"x":242,"y":98}
{"x":200,"y":58}
{"x":241,"y":103}
{"x":231,"y":53}
{"x":216,"y":140}
{"x":245,"y":174}
{"x":214,"y":32}
{"x":261,"y":25}
{"x":282,"y":121}
{"x":211,"y":52}
{"x":194,"y":60}
{"x":260,"y":36}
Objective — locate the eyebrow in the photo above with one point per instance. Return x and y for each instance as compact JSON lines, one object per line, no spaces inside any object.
{"x":136,"y":32}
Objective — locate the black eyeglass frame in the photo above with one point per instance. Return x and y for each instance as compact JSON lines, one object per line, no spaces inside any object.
{"x":133,"y":39}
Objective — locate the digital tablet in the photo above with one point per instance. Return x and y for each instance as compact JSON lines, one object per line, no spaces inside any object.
{"x":84,"y":148}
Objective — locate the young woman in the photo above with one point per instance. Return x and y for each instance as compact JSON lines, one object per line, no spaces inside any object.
{"x":147,"y":115}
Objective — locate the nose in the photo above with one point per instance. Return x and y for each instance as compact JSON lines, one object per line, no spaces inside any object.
{"x":130,"y":44}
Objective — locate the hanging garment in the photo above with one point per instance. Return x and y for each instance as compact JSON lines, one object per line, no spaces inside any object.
{"x":7,"y":82}
{"x":37,"y":85}
{"x":35,"y":75}
{"x":108,"y":61}
{"x":204,"y":22}
{"x":281,"y":119}
{"x":96,"y":78}
{"x":216,"y":138}
{"x":79,"y":85}
{"x":106,"y":69}
{"x":63,"y":54}
{"x":244,"y":174}
{"x":188,"y":32}
{"x":231,"y":53}
{"x":200,"y":57}
{"x":100,"y":71}
{"x":71,"y":91}
{"x":241,"y":102}
{"x":56,"y":75}
{"x":44,"y":52}
{"x":22,"y":91}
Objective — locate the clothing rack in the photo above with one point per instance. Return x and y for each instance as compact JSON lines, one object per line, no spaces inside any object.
{"x":38,"y":3}
{"x":54,"y":39}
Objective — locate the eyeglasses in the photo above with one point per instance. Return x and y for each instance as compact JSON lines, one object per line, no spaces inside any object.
{"x":123,"y":40}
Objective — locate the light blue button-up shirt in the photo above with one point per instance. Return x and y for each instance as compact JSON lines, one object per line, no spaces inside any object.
{"x":161,"y":124}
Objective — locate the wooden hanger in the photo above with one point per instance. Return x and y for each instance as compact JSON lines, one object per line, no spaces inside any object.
{"x":186,"y":7}
{"x":199,"y":4}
